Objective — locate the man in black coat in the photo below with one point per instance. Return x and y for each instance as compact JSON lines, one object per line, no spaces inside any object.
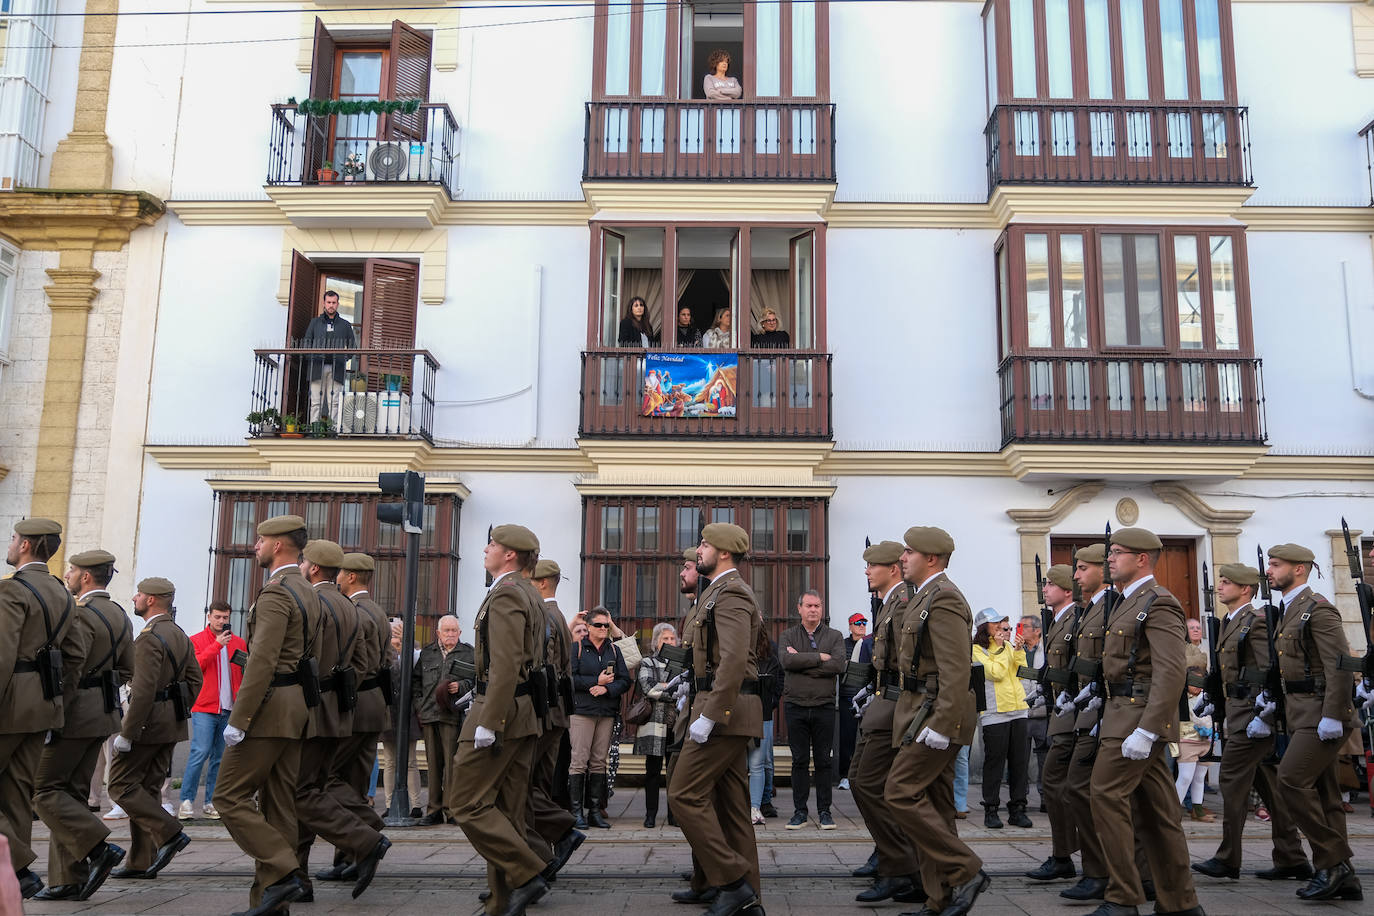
{"x":328,"y":330}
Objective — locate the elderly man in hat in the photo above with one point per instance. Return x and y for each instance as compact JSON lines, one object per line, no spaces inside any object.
{"x":79,"y":854}
{"x":269,"y":720}
{"x":491,"y":775}
{"x":1320,"y":715}
{"x":1143,"y":667}
{"x":709,"y":791}
{"x":166,"y":682}
{"x":1243,"y":652}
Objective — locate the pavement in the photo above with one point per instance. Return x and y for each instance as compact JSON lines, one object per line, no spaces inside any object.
{"x":631,"y":870}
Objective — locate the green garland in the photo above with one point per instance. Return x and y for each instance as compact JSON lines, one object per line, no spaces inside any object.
{"x":323,"y":108}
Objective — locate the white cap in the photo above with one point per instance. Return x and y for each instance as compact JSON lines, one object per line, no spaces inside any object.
{"x":988,"y":615}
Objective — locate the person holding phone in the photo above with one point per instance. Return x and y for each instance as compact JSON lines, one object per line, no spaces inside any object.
{"x":600,"y":679}
{"x":215,"y":647}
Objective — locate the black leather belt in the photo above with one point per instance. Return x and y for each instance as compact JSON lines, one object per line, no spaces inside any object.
{"x":327,"y":684}
{"x":888,"y":679}
{"x":746,"y":688}
{"x":1127,"y":688}
{"x":891,"y":692}
{"x":90,"y":683}
{"x":918,"y":684}
{"x":286,"y":679}
{"x":1306,"y":685}
{"x":25,"y":664}
{"x":521,"y":690}
{"x":369,"y":683}
{"x":1239,"y":691}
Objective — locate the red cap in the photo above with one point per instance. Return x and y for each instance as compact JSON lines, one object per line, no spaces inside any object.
{"x":858,"y":618}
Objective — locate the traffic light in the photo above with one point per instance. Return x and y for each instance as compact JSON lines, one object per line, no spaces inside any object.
{"x":410,"y":514}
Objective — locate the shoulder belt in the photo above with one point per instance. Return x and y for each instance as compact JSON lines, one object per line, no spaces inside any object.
{"x":114,"y":640}
{"x":47,"y":619}
{"x":180,"y":665}
{"x":305,"y":620}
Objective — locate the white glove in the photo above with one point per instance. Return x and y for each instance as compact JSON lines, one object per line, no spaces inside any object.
{"x":1258,"y":728}
{"x":1063,"y":703}
{"x":122,"y":745}
{"x":1203,"y":707}
{"x":672,"y":683}
{"x":233,"y":736}
{"x":1365,"y":695}
{"x":1264,"y":706}
{"x":1087,"y":699}
{"x":684,"y":690}
{"x":701,"y":729}
{"x":465,"y":700}
{"x":681,"y":703}
{"x":860,"y":706}
{"x":483,"y":737}
{"x":1036,"y":700}
{"x":1329,"y":729}
{"x":1092,"y":732}
{"x":932,"y":739}
{"x":1138,"y":744}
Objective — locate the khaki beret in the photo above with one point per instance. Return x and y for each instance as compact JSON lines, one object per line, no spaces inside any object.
{"x":89,"y":558}
{"x":690,"y":554}
{"x":1292,"y":553}
{"x":725,"y":536}
{"x":324,"y":553}
{"x":929,"y":540}
{"x":547,"y":569}
{"x":1060,"y":575}
{"x":281,"y":524}
{"x":156,"y":585}
{"x":1239,"y":573}
{"x":1093,"y":554}
{"x":883,"y":553}
{"x":516,"y":537}
{"x":1141,"y":539}
{"x":357,"y":562}
{"x":36,"y":527}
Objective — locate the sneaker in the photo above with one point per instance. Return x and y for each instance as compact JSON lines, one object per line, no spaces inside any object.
{"x":185,"y":813}
{"x":844,"y":784}
{"x":768,"y":809}
{"x":209,"y":812}
{"x":798,"y":821}
{"x":167,"y":806}
{"x":755,"y":816}
{"x":825,"y":820}
{"x":115,"y":813}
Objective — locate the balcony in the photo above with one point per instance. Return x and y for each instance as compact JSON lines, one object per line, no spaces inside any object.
{"x":381,"y":393}
{"x":1118,"y":143}
{"x":781,"y":394}
{"x":710,"y":141}
{"x":1367,"y":135}
{"x":1201,"y":399}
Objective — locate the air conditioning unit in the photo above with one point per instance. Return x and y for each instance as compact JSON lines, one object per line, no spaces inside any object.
{"x":358,"y":413}
{"x":400,"y":161}
{"x":394,"y":416}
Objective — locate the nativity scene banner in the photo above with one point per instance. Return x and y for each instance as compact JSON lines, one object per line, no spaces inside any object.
{"x":690,"y":385}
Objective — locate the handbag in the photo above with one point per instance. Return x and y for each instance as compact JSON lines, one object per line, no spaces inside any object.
{"x":641,"y":710}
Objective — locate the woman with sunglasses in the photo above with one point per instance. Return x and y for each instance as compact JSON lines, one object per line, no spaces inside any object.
{"x":1006,"y":722}
{"x":600,"y":678}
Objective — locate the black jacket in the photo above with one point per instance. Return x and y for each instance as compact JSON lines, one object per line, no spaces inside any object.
{"x":688,"y":336}
{"x":329,"y":333}
{"x":770,"y":340}
{"x":770,"y":676}
{"x":587,"y":665}
{"x":628,"y":335}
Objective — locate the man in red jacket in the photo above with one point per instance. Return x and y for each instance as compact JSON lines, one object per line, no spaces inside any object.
{"x":215,"y":647}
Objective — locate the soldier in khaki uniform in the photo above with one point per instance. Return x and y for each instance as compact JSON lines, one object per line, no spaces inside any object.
{"x":491,"y":773}
{"x":164,"y":665}
{"x":935,"y":715}
{"x":263,"y":737}
{"x":79,"y":858}
{"x":898,"y":875}
{"x":1243,"y":652}
{"x":549,"y":826}
{"x":1059,"y":652}
{"x":1320,"y":715}
{"x":709,"y":790}
{"x":37,"y":614}
{"x":687,"y":579}
{"x":1144,"y":671}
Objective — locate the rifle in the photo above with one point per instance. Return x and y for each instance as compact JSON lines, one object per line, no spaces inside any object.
{"x":1026,"y":672}
{"x":1212,"y":685}
{"x":1112,"y":598}
{"x":1089,"y":670}
{"x":1273,"y":679}
{"x":1365,"y":594}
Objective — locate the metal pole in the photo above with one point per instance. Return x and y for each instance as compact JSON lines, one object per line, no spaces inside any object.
{"x":399,"y":815}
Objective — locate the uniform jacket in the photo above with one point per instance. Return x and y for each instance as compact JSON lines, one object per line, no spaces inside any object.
{"x":375,"y":653}
{"x":22,"y":633}
{"x":887,"y":628}
{"x":558,"y":653}
{"x":1092,"y":633}
{"x":207,"y":656}
{"x":1315,"y":655}
{"x":84,"y":714}
{"x":1243,"y":645}
{"x":339,"y":633}
{"x":725,"y":627}
{"x":510,"y":629}
{"x":1160,"y":671}
{"x":946,"y":654}
{"x":811,"y":681}
{"x":1058,"y":646}
{"x":149,"y":720}
{"x":276,"y":632}
{"x":432,"y":667}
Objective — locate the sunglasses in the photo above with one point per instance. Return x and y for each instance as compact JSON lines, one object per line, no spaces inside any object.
{"x":599,"y":626}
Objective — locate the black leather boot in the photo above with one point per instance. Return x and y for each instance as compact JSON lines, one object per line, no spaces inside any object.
{"x":577,"y":785}
{"x":990,"y":818}
{"x":596,"y":797}
{"x":650,"y":800}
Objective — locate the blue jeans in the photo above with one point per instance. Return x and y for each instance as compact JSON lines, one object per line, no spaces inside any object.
{"x":961,"y":780}
{"x":376,"y":769}
{"x":207,"y":747}
{"x":761,"y":768}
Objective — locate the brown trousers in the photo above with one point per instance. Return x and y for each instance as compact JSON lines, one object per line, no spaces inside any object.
{"x":709,"y":795}
{"x":1135,"y":801}
{"x":1307,"y":774}
{"x":19,"y":756}
{"x":490,"y":788}
{"x":1078,"y":792}
{"x":1243,"y":766}
{"x":265,"y":831}
{"x":59,"y":796}
{"x":1055,"y":789}
{"x":441,"y":744}
{"x":868,"y":768}
{"x":320,"y":813}
{"x":352,"y":773}
{"x":920,"y":793}
{"x":136,"y":778}
{"x":546,"y":821}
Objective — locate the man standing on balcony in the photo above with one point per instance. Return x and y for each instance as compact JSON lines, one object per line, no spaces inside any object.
{"x":812,"y":657}
{"x":327,"y":331}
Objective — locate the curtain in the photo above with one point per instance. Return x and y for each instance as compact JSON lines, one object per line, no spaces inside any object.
{"x":769,"y":289}
{"x":646,"y":282}
{"x":684,"y":277}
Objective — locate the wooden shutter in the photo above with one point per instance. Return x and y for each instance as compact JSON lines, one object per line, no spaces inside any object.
{"x":391,"y":289}
{"x":305,"y":284}
{"x":315,"y":143}
{"x":409,"y":79}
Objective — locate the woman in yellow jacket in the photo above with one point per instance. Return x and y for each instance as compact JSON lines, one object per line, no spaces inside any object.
{"x":1005,"y":723}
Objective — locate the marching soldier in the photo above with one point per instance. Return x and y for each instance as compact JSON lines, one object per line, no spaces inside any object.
{"x":491,"y":774}
{"x":709,"y":791}
{"x":263,"y":738}
{"x":1320,"y":715}
{"x":898,"y":875}
{"x":41,"y":639}
{"x":79,"y":856}
{"x":166,"y":681}
{"x":687,"y":579}
{"x":318,"y":811}
{"x":1243,"y":650}
{"x":1059,"y":650}
{"x":1144,"y":672}
{"x":935,"y":716}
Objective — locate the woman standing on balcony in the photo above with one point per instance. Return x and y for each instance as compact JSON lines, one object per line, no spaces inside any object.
{"x":634,"y":327}
{"x":718,"y":86}
{"x":718,"y":337}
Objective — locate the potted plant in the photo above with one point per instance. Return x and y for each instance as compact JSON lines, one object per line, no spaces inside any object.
{"x":291,"y":427}
{"x":322,"y":428}
{"x":353,"y":166}
{"x":264,"y":422}
{"x":325,"y":172}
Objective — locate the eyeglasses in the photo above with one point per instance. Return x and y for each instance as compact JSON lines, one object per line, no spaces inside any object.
{"x":599,"y":626}
{"x":1117,"y":552}
{"x":770,"y":321}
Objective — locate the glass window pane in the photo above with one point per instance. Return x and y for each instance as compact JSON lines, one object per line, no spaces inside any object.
{"x":1003,"y":302}
{"x":764,"y":374}
{"x":1149,"y":292}
{"x":723,"y":515}
{"x":1027,"y":135}
{"x":427,"y":532}
{"x":612,"y":258}
{"x":317,"y":520}
{"x":646,"y":592}
{"x":1077,"y":388}
{"x":610,"y":588}
{"x":1042,"y":385}
{"x":277,"y":507}
{"x":1225,"y":324}
{"x":688,"y":532}
{"x":1214,"y":134}
{"x":805,"y":277}
{"x":1038,"y":320}
{"x":1194,"y":387}
{"x":388,"y":535}
{"x":990,"y":52}
{"x":761,"y":533}
{"x":1133,"y":55}
{"x":1023,"y":49}
{"x":1099,"y":47}
{"x":646,"y":528}
{"x":240,"y":594}
{"x":652,"y":73}
{"x":386,"y":589}
{"x":803,"y":47}
{"x":1210,"y":82}
{"x":768,"y":49}
{"x":798,"y":581}
{"x":761,"y":581}
{"x":1118,"y":386}
{"x":1180,"y":134}
{"x":1228,"y":387}
{"x":1113,"y":291}
{"x":1175,"y":57}
{"x":612,"y":528}
{"x":1155,"y":387}
{"x":798,"y":530}
{"x":360,"y":74}
{"x":618,"y":50}
{"x":616,"y":133}
{"x":1074,"y":300}
{"x":244,"y":530}
{"x":1189,"y":292}
{"x":1059,"y":57}
{"x":351,"y":524}
{"x":1132,"y":302}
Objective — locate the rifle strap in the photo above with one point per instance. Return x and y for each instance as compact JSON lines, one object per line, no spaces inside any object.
{"x":180,"y":664}
{"x":47,"y":617}
{"x":1140,"y":619}
{"x":114,"y":640}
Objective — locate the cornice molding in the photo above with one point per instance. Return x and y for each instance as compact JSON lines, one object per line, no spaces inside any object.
{"x":360,"y":205}
{"x":1307,"y":219}
{"x":1026,"y":461}
{"x":1038,"y":522}
{"x":1312,"y":467}
{"x":228,"y":212}
{"x":1218,"y":522}
{"x":850,"y":214}
{"x":330,"y":459}
{"x":913,"y":464}
{"x":695,"y":198}
{"x":89,"y":220}
{"x":294,"y":484}
{"x":1114,"y":203}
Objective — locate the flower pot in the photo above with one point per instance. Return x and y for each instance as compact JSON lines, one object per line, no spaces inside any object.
{"x":325,"y":174}
{"x":349,"y":179}
{"x":293,"y":435}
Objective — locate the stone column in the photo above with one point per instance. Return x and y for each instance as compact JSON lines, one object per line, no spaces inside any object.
{"x":85,"y":159}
